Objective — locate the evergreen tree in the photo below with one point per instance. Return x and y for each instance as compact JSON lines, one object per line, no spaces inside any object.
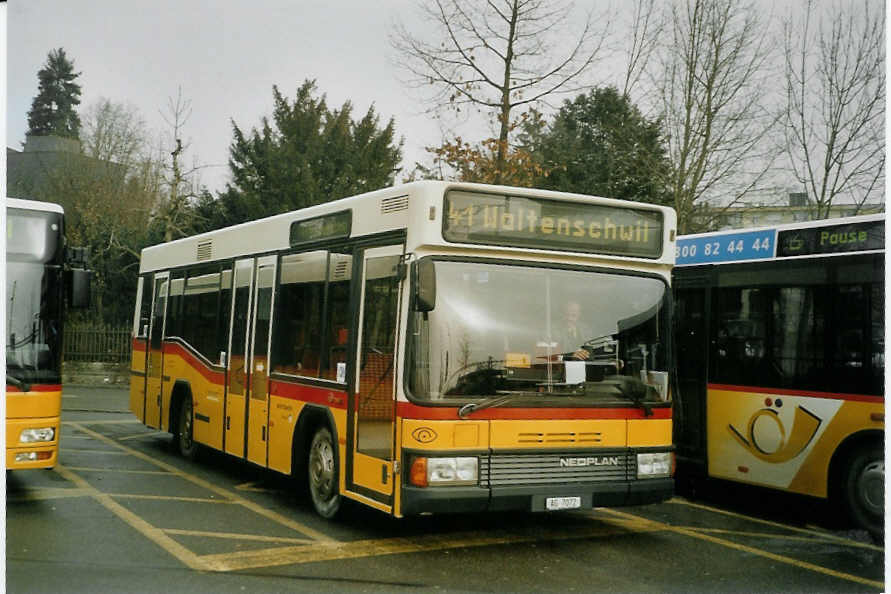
{"x":308,"y":154}
{"x":600,"y":144}
{"x":52,"y":111}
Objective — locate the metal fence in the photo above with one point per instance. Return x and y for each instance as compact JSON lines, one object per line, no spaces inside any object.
{"x":96,"y":344}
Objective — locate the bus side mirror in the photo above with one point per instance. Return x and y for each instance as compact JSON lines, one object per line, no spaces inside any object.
{"x":425,"y":285}
{"x":79,"y":281}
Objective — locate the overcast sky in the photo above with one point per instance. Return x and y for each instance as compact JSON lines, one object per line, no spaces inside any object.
{"x":225,"y":54}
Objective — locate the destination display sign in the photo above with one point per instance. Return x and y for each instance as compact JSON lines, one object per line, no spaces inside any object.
{"x":834,"y":239}
{"x":515,"y":221}
{"x":332,"y":226}
{"x":729,"y":247}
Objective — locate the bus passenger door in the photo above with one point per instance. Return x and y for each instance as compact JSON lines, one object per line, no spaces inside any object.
{"x":692,"y":356}
{"x":154,"y":366}
{"x":258,"y":397}
{"x":372,"y":407}
{"x":237,"y":382}
{"x":140,"y":350}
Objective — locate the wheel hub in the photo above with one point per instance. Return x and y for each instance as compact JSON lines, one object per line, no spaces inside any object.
{"x":323,"y":469}
{"x":871,"y":486}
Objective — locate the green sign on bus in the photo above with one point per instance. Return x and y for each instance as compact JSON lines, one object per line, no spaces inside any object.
{"x":551,"y":224}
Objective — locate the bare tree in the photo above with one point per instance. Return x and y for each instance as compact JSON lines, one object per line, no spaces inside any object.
{"x":712,"y":84}
{"x":645,"y":29}
{"x":181,"y":183}
{"x":835,"y":109}
{"x":497,"y":56}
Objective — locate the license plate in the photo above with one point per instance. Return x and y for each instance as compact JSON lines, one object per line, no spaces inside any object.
{"x":555,"y":503}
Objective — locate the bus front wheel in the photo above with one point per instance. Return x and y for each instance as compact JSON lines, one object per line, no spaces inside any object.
{"x":185,"y":441}
{"x":864,"y":489}
{"x":322,"y":469}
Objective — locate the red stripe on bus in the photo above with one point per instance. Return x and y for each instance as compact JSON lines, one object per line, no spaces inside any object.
{"x":139,"y":344}
{"x":408,"y":410}
{"x":804,"y":393}
{"x":304,"y":393}
{"x":37,"y":388}
{"x":211,"y":375}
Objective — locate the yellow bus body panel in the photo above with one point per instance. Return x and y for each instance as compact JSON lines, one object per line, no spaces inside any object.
{"x":32,"y":410}
{"x":782,"y":441}
{"x":581,"y":433}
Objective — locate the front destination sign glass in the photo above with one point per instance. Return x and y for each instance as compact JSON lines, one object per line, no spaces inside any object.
{"x":834,"y":239}
{"x":494,"y":219}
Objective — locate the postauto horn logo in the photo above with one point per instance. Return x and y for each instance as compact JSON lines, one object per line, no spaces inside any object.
{"x":804,"y":428}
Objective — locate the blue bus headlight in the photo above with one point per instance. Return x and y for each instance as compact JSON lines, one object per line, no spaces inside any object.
{"x":654,"y":465}
{"x":34,"y":435}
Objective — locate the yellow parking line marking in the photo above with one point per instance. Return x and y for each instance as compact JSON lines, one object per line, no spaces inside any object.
{"x":331,"y":551}
{"x":89,"y":451}
{"x":120,"y":470}
{"x":170,"y":498}
{"x":250,"y":486}
{"x":45,"y":493}
{"x":257,"y":509}
{"x":138,"y":435}
{"x":811,"y":531}
{"x":104,"y":422}
{"x":693,"y":533}
{"x":237,"y":536}
{"x":186,"y":556}
{"x":755,"y":534}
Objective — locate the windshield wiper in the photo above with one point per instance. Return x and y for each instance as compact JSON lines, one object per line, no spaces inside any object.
{"x":471,"y":407}
{"x":634,"y":390}
{"x":20,"y":384}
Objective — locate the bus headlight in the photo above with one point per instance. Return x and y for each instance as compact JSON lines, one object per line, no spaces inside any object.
{"x":462,"y":470}
{"x":33,"y":435}
{"x":654,"y":465}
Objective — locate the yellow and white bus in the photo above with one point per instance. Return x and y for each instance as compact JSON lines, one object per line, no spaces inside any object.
{"x":404,"y":348}
{"x":781,"y":359}
{"x":37,"y":283}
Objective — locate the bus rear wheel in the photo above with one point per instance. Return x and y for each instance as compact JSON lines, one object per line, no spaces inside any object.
{"x":323,"y":474}
{"x":185,"y":441}
{"x":864,"y":489}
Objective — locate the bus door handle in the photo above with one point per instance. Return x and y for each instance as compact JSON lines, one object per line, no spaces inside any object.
{"x":228,"y":423}
{"x":263,"y":433}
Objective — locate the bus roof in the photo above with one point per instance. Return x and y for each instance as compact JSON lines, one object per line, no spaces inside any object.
{"x":826,"y":237}
{"x":33,"y":205}
{"x":380,"y":211}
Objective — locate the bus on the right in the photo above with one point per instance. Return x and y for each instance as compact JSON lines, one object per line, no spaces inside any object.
{"x":780,"y":355}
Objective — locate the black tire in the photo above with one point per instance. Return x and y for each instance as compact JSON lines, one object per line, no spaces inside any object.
{"x":322,"y":473}
{"x":185,"y":443}
{"x":864,"y":489}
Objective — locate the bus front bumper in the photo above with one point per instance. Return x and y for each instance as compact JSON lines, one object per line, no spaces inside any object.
{"x":36,"y":454}
{"x":416,"y":500}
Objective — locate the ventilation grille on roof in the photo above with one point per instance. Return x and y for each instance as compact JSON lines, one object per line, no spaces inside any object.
{"x":205,"y":250}
{"x":391,"y":205}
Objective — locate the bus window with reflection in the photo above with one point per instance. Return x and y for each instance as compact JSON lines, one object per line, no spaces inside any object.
{"x":499,"y":329}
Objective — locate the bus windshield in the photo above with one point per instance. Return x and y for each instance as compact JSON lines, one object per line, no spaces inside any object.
{"x":550,"y":336}
{"x":33,"y":297}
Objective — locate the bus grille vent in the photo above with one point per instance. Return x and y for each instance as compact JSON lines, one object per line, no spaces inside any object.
{"x":391,"y":205}
{"x":586,"y":466}
{"x":340,"y":271}
{"x":205,"y":250}
{"x":566,"y":437}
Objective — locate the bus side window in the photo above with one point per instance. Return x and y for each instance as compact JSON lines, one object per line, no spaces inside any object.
{"x":145,"y":307}
{"x":337,"y":308}
{"x":297,"y":331}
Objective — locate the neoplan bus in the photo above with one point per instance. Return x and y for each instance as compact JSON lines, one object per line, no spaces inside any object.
{"x":780,"y":349}
{"x":38,"y":277}
{"x":401,"y":348}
